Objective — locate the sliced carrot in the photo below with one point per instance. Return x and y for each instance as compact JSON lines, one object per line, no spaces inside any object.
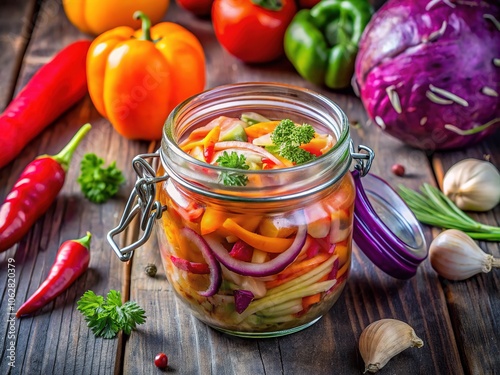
{"x":318,"y":145}
{"x":298,"y":269}
{"x":314,"y":146}
{"x":282,"y":280}
{"x":268,"y":244}
{"x":261,"y":128}
{"x":314,"y":261}
{"x":213,"y":219}
{"x":308,"y":301}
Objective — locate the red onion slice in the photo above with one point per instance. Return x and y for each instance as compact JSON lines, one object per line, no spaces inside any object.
{"x":247,"y":146}
{"x":213,"y":264}
{"x":242,"y":299}
{"x":272,"y":267}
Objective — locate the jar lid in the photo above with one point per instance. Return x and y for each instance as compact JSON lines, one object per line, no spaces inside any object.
{"x":385,"y":228}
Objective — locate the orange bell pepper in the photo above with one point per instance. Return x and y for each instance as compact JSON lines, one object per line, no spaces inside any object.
{"x":96,"y":16}
{"x":136,"y":78}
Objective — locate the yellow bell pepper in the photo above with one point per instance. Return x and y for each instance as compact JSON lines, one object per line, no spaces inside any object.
{"x":96,"y":16}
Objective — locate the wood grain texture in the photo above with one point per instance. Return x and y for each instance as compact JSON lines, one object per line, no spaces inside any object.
{"x":16,"y":24}
{"x":330,"y":346}
{"x":56,"y":339}
{"x":473,"y":304}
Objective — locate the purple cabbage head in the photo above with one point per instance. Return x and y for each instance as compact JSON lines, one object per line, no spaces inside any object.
{"x":428,"y":71}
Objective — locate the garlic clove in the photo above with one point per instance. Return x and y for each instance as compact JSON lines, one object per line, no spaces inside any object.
{"x":383,"y":339}
{"x":456,"y":256}
{"x":473,"y":185}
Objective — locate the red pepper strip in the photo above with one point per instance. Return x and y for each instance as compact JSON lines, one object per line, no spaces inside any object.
{"x":53,"y":89}
{"x":268,"y":163}
{"x":34,"y":192}
{"x":242,"y":251}
{"x":72,"y":260}
{"x":209,"y":144}
{"x":193,"y":267}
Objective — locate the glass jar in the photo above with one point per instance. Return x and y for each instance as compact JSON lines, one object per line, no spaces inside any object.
{"x":261,"y":260}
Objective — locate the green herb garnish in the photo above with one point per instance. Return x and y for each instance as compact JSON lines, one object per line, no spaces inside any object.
{"x":232,"y":160}
{"x":433,"y":207}
{"x":98,"y":184}
{"x":107,"y":317}
{"x":288,"y":137}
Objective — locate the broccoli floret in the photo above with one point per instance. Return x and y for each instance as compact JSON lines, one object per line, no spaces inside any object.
{"x":288,"y":137}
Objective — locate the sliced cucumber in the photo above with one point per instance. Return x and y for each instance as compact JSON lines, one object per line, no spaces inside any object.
{"x":234,"y":133}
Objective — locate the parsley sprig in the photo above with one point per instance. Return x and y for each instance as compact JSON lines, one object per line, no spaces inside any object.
{"x":288,"y":137}
{"x":232,"y":160}
{"x":108,"y":316}
{"x":98,"y":184}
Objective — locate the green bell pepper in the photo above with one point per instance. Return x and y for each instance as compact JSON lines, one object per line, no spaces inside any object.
{"x":322,"y":42}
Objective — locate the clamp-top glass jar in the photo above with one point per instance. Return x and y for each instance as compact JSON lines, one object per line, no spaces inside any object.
{"x":267,"y":258}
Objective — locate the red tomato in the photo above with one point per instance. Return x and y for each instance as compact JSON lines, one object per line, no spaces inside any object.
{"x":199,"y":8}
{"x":250,"y":32}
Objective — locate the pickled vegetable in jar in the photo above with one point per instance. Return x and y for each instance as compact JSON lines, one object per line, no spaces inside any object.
{"x":263,"y":267}
{"x":256,"y":238}
{"x":254,"y":206}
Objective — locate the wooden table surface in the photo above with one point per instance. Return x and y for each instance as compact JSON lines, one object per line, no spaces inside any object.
{"x":459,"y":322}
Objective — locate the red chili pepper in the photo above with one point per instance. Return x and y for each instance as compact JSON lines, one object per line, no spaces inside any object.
{"x":34,"y":192}
{"x":72,"y":260}
{"x":51,"y":91}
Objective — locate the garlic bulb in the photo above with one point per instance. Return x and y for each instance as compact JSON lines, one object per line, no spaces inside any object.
{"x":383,"y":339}
{"x":474,"y":185}
{"x":456,"y":256}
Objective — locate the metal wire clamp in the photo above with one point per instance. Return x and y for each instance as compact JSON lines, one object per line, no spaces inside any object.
{"x":363,"y":160}
{"x":141,"y":201}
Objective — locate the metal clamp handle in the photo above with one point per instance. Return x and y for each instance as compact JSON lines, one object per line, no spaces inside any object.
{"x":141,"y":201}
{"x":363,"y":160}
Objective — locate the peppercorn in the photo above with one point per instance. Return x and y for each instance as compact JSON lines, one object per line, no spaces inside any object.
{"x":150,"y":270}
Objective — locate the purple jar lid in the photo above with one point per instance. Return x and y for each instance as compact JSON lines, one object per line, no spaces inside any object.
{"x":385,"y":229}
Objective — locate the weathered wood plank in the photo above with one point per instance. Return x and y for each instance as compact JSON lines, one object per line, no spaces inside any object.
{"x":56,"y":340}
{"x":16,"y":23}
{"x":476,"y":325}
